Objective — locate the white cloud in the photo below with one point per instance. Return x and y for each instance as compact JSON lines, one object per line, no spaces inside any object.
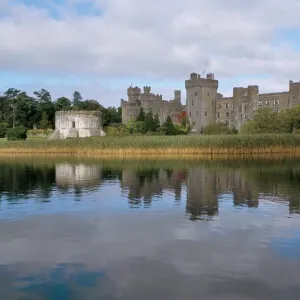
{"x":153,"y":39}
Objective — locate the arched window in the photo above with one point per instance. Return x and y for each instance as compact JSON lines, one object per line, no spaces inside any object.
{"x":73,"y":124}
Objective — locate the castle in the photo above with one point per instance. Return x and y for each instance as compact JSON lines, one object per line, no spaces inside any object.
{"x":204,"y":105}
{"x":149,"y":101}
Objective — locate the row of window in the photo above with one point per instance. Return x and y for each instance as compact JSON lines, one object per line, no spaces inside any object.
{"x":275,"y":102}
{"x":227,"y":114}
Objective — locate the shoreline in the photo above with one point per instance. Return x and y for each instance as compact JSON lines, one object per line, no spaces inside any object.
{"x":172,"y":153}
{"x":286,"y":145}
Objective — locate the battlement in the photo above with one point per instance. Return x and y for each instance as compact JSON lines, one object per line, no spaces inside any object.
{"x":147,"y":89}
{"x":79,"y":112}
{"x":273,"y":94}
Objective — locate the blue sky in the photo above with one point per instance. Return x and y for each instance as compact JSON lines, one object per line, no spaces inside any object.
{"x":100,"y":46}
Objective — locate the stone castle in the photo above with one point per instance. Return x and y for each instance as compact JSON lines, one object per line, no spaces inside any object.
{"x":149,"y":101}
{"x":204,"y":105}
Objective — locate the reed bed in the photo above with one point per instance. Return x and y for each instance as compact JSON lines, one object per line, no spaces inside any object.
{"x":141,"y":146}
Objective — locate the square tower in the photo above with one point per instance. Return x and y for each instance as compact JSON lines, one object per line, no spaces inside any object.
{"x":201,"y":98}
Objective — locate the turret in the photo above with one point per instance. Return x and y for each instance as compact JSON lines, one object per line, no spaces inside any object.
{"x":177,"y":95}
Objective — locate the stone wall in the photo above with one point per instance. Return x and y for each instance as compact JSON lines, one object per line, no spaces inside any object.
{"x":77,"y":124}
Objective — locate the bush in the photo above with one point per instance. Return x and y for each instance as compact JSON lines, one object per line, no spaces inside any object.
{"x":3,"y":129}
{"x":218,"y":128}
{"x":16,"y":134}
{"x":140,"y":127}
{"x":39,"y":132}
{"x":120,"y":130}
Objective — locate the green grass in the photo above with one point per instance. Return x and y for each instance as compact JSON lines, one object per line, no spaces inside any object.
{"x":160,"y":143}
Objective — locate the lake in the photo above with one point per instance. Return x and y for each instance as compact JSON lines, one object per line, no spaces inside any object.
{"x":74,"y":228}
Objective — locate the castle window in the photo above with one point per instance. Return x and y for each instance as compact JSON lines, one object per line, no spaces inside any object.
{"x":277,"y":110}
{"x":196,"y":93}
{"x":192,"y":103}
{"x":276,"y":101}
{"x":227,"y":114}
{"x":259,"y":103}
{"x":197,"y":113}
{"x":208,"y":94}
{"x":73,"y":124}
{"x":267,"y":102}
{"x":245,"y":107}
{"x":219,"y":106}
{"x":190,"y":114}
{"x":218,"y":115}
{"x":226,"y":105}
{"x":226,"y":122}
{"x":205,"y":114}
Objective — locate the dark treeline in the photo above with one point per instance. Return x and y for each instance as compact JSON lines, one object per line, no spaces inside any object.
{"x":38,"y":111}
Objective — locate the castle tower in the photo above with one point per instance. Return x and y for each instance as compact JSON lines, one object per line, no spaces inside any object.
{"x":177,"y":96}
{"x":133,"y":94}
{"x":238,"y":95}
{"x":253,"y":91}
{"x":294,"y":93}
{"x":201,"y":98}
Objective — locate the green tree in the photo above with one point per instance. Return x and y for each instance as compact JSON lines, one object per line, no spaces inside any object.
{"x":266,"y":121}
{"x":291,"y":118}
{"x":150,"y":122}
{"x":45,"y":105}
{"x":3,"y":129}
{"x":156,"y":122}
{"x":45,"y":123}
{"x":62,"y":103}
{"x":140,"y":127}
{"x":12,"y":96}
{"x":77,"y":99}
{"x":141,"y":116}
{"x":169,"y":127}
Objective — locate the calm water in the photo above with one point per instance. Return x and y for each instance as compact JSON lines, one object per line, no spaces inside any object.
{"x":83,"y":229}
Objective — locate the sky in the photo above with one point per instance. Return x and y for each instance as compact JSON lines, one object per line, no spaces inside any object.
{"x":100,"y":47}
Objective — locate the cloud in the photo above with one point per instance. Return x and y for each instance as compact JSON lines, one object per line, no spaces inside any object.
{"x":152,"y":41}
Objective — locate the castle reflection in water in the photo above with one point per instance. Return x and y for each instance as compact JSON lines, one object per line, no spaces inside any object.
{"x":201,"y":187}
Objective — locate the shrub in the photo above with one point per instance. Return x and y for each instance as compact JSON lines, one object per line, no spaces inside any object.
{"x":120,"y":130}
{"x":16,"y":134}
{"x":3,"y":129}
{"x":140,"y":127}
{"x":218,"y":128}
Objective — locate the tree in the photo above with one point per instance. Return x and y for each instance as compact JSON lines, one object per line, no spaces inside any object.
{"x":45,"y":105}
{"x":77,"y":99}
{"x":156,"y":122}
{"x":44,"y":123}
{"x":169,"y":127}
{"x":266,"y":121}
{"x":62,"y":103}
{"x":12,"y":96}
{"x":150,"y":122}
{"x":141,"y":116}
{"x":140,"y":127}
{"x":292,"y":119}
{"x":43,"y":96}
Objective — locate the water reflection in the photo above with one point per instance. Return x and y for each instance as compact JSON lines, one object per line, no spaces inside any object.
{"x":84,"y":229}
{"x":199,"y":185}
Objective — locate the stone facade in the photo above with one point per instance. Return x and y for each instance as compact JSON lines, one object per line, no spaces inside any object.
{"x":149,"y":101}
{"x":77,"y":124}
{"x":206,"y":106}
